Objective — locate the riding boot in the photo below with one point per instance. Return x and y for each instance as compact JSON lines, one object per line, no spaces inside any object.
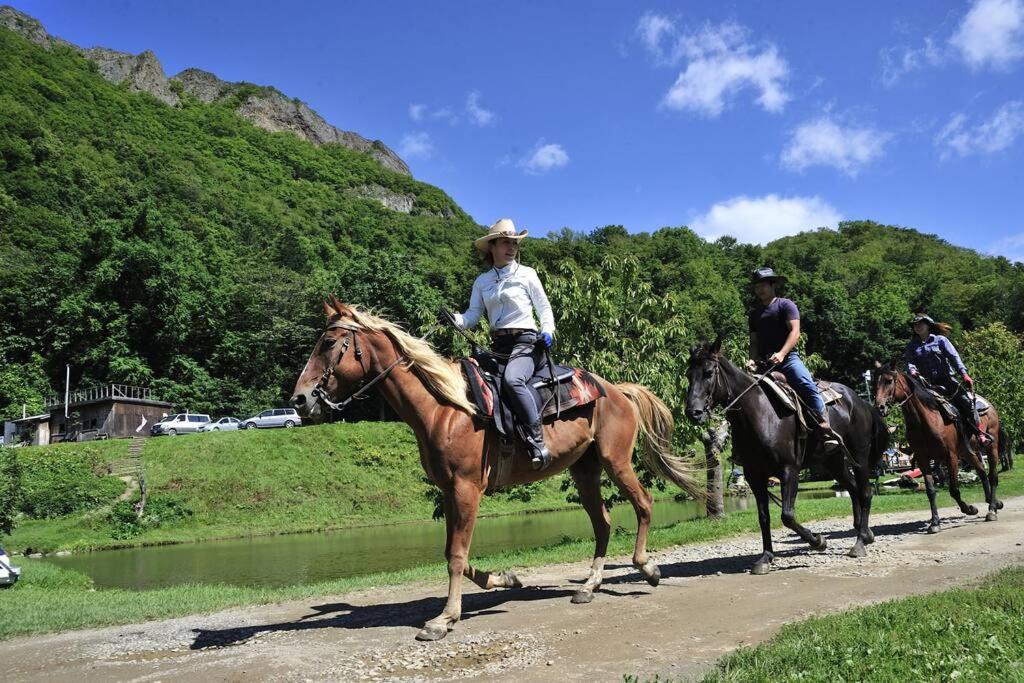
{"x":829,"y":439}
{"x":540,"y":456}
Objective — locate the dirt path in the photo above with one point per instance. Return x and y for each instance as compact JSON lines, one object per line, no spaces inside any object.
{"x":706,"y":605}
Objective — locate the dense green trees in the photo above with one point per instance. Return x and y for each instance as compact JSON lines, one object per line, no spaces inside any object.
{"x":183,"y":248}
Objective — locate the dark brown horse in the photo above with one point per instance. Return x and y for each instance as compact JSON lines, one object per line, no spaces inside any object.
{"x":459,"y":453}
{"x":768,"y":442}
{"x":933,"y":439}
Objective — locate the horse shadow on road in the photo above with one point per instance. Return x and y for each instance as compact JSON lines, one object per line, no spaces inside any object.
{"x":411,"y":613}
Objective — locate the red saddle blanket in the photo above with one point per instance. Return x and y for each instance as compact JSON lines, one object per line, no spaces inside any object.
{"x":576,"y":387}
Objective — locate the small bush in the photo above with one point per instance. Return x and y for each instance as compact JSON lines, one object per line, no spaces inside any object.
{"x":159,"y":510}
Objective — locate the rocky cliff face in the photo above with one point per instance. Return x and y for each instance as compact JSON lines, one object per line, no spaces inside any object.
{"x":264,"y":107}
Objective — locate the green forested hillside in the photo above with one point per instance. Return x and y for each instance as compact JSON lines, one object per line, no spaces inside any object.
{"x":185,"y":249}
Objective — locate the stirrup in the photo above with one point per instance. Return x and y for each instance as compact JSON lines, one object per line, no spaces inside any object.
{"x":541,"y":459}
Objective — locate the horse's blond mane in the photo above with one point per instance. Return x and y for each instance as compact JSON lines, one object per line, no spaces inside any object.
{"x":441,"y":375}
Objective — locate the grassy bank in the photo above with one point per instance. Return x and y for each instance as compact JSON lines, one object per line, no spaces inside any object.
{"x":970,"y":634}
{"x":235,"y":484}
{"x":51,"y":599}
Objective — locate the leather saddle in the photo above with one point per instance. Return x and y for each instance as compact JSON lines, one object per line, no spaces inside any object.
{"x":777,"y":384}
{"x":571,"y":388}
{"x":949,"y":411}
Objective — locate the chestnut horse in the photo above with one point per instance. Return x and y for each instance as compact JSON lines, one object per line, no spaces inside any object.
{"x":459,"y":453}
{"x":932,"y":439}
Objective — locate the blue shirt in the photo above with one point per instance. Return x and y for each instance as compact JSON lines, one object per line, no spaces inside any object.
{"x":933,"y":357}
{"x":771,"y":324}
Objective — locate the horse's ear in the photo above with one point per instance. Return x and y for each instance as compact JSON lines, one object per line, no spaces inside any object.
{"x":716,"y":346}
{"x":329,"y":310}
{"x":339,"y":307}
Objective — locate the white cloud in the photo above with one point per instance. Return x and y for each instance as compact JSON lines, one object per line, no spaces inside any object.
{"x":544,"y":158}
{"x":477,"y":114}
{"x":991,"y":34}
{"x":720,"y":62}
{"x":1011,"y":247}
{"x":652,"y":29}
{"x":899,"y":61}
{"x":823,"y":142}
{"x":760,"y":220}
{"x":416,"y":111}
{"x":416,"y":145}
{"x":994,"y":135}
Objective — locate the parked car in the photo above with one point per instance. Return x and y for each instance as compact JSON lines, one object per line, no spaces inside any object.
{"x":181,"y":423}
{"x":275,"y":417}
{"x":9,"y":574}
{"x":224,"y":424}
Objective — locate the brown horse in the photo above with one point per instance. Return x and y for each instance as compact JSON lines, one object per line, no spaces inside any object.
{"x":459,"y":453}
{"x":932,"y":439}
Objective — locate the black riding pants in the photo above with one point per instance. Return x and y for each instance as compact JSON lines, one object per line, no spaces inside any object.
{"x":525,"y":355}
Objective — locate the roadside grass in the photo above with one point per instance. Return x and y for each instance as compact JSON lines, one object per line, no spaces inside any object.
{"x":968,"y":634}
{"x":55,"y":599}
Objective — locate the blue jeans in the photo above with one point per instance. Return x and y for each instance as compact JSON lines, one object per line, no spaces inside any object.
{"x":799,"y":377}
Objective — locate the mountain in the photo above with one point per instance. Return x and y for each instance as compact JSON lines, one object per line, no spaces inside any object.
{"x":264,"y":106}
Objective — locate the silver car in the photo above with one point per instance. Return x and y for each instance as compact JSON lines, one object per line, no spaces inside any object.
{"x":224,"y":424}
{"x":182,"y":423}
{"x":275,"y":417}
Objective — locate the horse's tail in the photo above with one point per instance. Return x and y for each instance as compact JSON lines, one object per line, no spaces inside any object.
{"x":656,"y":424}
{"x":1005,"y":459}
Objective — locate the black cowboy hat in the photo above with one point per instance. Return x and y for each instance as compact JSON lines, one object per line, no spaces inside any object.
{"x":922,"y":318}
{"x":765,"y":273}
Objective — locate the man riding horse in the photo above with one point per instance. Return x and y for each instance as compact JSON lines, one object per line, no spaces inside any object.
{"x":774,"y":324}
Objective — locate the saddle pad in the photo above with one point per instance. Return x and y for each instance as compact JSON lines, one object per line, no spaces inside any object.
{"x":981,"y":404}
{"x":576,"y":387}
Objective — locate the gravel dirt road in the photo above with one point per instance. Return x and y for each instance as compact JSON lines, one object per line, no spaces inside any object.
{"x":707,"y":605}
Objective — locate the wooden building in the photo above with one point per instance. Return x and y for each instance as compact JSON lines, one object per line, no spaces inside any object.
{"x":107,"y":412}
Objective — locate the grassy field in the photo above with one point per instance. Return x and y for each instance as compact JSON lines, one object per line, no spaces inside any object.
{"x":969,"y":634}
{"x":51,"y":599}
{"x":247,"y":483}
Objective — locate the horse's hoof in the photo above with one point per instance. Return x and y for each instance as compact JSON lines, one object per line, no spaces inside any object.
{"x":870,"y":538}
{"x":760,"y":569}
{"x":510,"y":580}
{"x":821,"y":543}
{"x":933,"y":528}
{"x":581,"y":597}
{"x":991,"y":516}
{"x":999,"y":505}
{"x":857,"y":551}
{"x":970,"y":510}
{"x":653,"y":577}
{"x":433,"y":632}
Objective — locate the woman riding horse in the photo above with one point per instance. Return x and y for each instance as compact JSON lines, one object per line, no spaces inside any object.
{"x":933,"y":357}
{"x":509,"y":293}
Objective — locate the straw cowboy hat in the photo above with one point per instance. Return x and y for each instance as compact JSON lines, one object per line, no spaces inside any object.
{"x":503,"y":228}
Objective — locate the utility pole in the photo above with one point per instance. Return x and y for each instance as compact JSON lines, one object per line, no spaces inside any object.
{"x":67,"y":389}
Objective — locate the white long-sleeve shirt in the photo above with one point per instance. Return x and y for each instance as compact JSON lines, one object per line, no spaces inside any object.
{"x":509,"y":295}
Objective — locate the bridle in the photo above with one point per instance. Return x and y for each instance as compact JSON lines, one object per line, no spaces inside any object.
{"x":892,"y":392}
{"x":351,"y":339}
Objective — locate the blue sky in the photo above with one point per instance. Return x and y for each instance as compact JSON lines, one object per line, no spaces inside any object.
{"x":756,"y":120}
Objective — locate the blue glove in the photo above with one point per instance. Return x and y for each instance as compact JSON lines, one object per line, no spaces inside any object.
{"x":547,"y":339}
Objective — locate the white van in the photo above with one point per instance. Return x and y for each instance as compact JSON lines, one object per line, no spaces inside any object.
{"x":182,"y":423}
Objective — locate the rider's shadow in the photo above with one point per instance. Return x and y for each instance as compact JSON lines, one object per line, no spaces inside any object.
{"x":413,"y":614}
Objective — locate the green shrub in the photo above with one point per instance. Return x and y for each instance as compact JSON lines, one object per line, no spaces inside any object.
{"x":159,"y":510}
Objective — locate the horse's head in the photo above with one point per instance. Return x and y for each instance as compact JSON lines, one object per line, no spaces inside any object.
{"x":890,"y":386}
{"x":338,"y":363}
{"x":702,"y":375}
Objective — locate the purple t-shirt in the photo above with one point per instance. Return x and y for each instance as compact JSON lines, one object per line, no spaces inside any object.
{"x":771,"y":324}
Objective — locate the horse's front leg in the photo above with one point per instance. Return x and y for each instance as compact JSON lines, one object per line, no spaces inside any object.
{"x":461,"y":502}
{"x":759,"y":486}
{"x":790,"y":482}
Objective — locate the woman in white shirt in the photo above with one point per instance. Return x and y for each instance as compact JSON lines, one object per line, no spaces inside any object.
{"x":510,"y":293}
